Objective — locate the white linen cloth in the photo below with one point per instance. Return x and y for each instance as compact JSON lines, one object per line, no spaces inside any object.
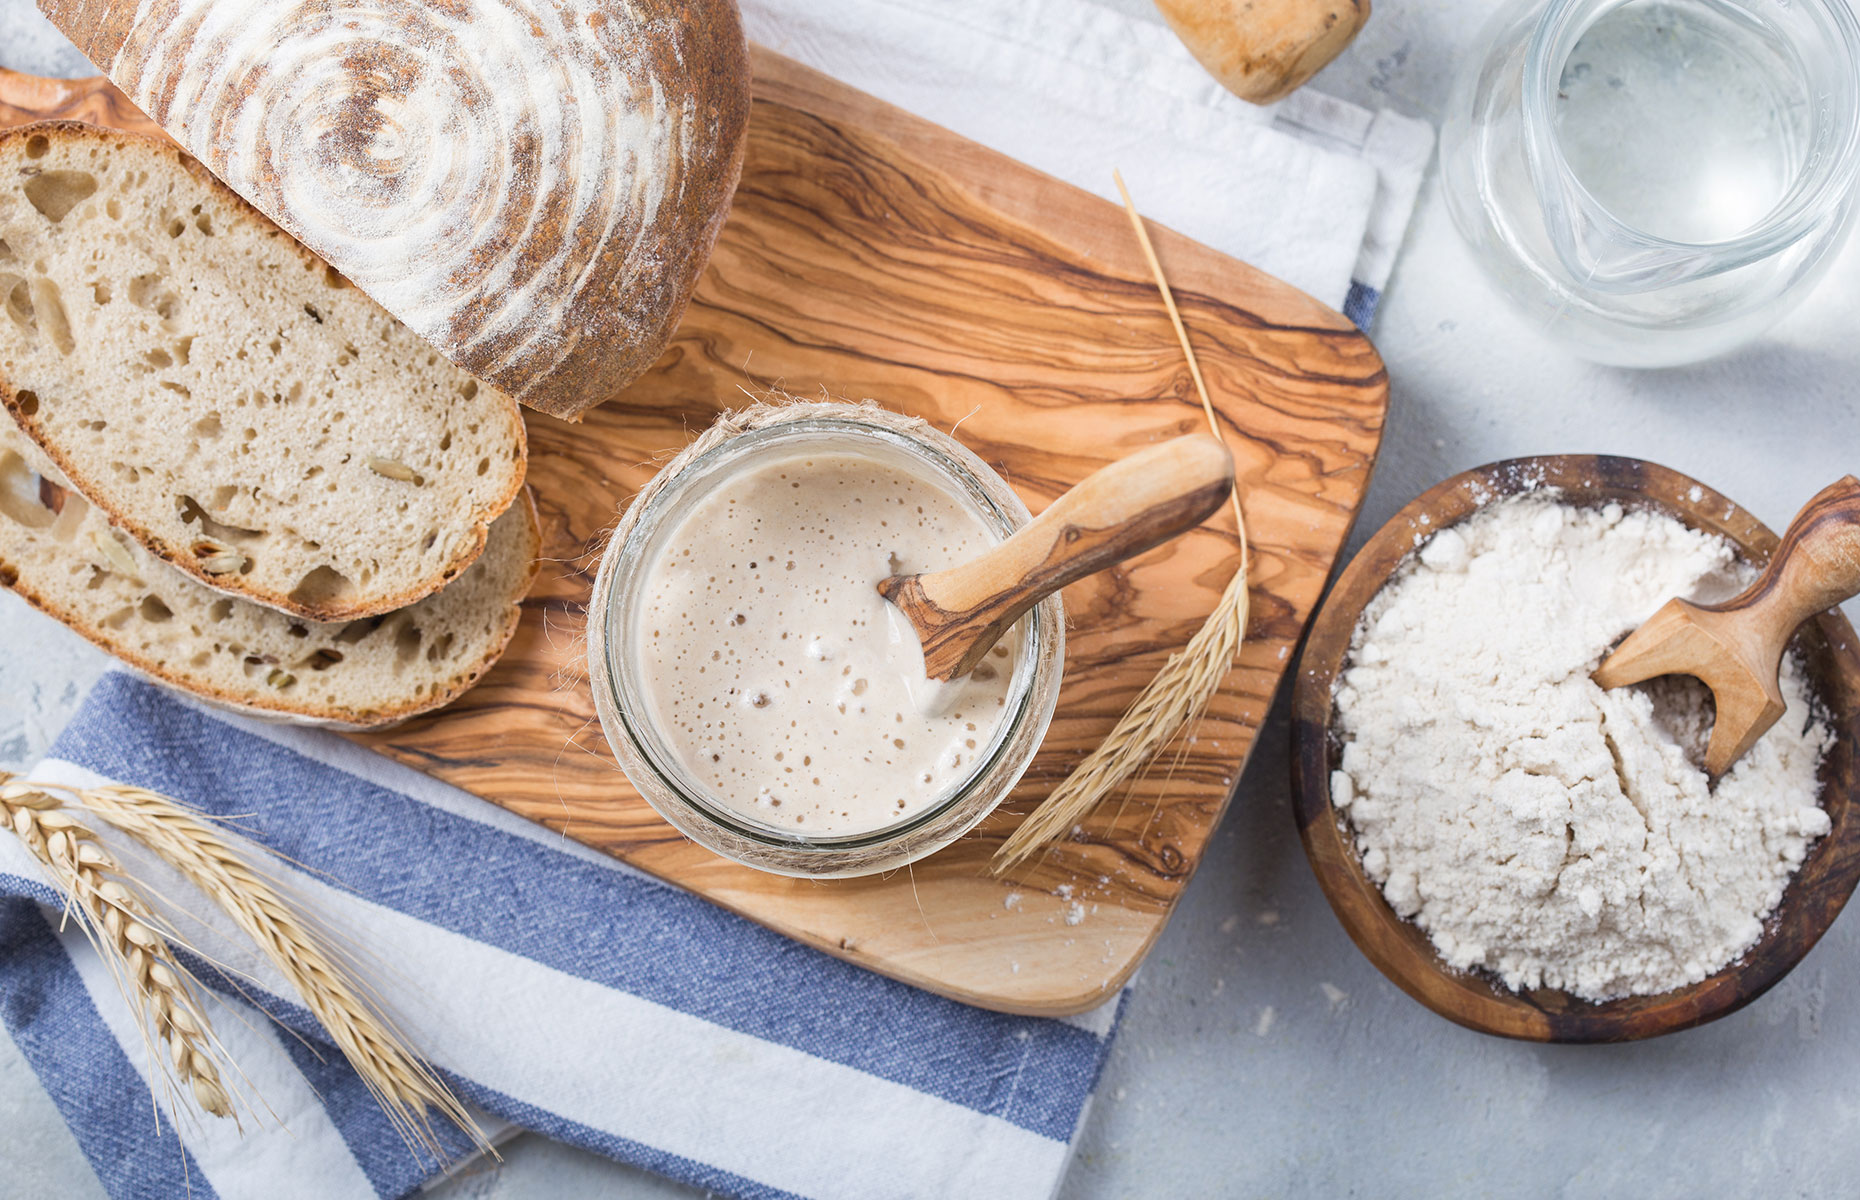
{"x":1313,"y":190}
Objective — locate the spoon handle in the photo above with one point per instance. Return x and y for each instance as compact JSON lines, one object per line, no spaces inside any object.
{"x":1115,"y":513}
{"x":1816,"y":567}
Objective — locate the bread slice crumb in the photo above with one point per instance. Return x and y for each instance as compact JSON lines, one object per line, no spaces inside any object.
{"x":62,"y":555}
{"x":227,"y":398}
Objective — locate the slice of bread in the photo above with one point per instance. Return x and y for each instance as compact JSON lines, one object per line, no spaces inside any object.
{"x":63,"y":556}
{"x":223,"y":395}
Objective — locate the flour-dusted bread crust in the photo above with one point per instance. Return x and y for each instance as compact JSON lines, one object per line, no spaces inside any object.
{"x":61,"y":555}
{"x":534,"y":186}
{"x":225,"y":396}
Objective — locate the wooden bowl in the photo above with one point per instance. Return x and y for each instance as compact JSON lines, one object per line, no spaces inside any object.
{"x":1399,"y":948}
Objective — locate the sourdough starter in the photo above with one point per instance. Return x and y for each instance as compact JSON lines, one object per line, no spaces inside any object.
{"x":785,"y":684}
{"x":1533,"y":824}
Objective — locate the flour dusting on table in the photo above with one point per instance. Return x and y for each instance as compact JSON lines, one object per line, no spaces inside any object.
{"x":1535,"y":825}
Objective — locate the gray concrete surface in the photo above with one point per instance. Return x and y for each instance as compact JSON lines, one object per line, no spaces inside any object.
{"x":1238,"y":1073}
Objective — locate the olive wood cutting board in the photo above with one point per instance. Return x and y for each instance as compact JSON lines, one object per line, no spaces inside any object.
{"x":872,"y":254}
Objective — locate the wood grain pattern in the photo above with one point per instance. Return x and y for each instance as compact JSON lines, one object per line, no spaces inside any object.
{"x":1736,"y":647}
{"x":1398,"y":947}
{"x":872,"y":254}
{"x":1117,"y":512}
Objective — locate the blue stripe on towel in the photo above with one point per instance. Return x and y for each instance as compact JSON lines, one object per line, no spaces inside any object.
{"x":1360,"y":305}
{"x":672,"y":1166}
{"x":671,"y":948}
{"x":98,"y":1091}
{"x":392,"y":1166}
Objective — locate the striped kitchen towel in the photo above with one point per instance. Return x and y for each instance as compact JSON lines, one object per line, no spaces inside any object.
{"x":557,"y":991}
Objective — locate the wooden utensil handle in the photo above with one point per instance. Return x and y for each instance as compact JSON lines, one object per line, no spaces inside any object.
{"x":1816,"y":567}
{"x":1115,"y":513}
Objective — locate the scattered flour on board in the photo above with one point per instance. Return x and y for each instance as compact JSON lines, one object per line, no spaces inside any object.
{"x":1534,"y":825}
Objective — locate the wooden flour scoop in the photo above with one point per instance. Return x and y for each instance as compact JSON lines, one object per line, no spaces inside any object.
{"x":1736,"y":648}
{"x":1115,"y":513}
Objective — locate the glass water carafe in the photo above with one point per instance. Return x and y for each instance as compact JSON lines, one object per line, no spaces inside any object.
{"x":1656,"y":181}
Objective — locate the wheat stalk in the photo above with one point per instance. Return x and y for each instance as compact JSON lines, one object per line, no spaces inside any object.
{"x":1180,"y":692}
{"x":117,"y":921}
{"x":404,"y":1086}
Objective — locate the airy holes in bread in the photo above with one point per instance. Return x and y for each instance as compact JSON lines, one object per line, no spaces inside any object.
{"x":50,"y":307}
{"x":406,"y":643}
{"x":21,"y":500}
{"x":356,"y":631}
{"x":55,"y":193}
{"x":27,"y":402}
{"x":151,"y":291}
{"x":323,"y":587}
{"x":219,"y":548}
{"x":19,"y":303}
{"x":194,"y":513}
{"x":321,"y":659}
{"x":100,"y":293}
{"x":154,"y":611}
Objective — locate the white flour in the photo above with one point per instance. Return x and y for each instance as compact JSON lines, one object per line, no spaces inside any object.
{"x":1533,"y":824}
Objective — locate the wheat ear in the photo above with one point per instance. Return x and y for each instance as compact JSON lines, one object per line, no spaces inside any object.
{"x":404,"y":1086}
{"x":1180,"y":692}
{"x":117,"y":921}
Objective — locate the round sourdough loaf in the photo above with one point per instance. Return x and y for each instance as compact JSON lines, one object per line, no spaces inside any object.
{"x":533,"y":186}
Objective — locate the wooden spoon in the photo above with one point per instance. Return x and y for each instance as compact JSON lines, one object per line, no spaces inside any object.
{"x":1115,"y":513}
{"x":1736,"y":647}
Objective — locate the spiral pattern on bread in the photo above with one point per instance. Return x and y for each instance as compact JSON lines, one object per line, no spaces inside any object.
{"x":532,"y":186}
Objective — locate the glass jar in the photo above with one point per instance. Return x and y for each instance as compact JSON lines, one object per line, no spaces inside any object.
{"x":1654,"y":182}
{"x":738,"y":442}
